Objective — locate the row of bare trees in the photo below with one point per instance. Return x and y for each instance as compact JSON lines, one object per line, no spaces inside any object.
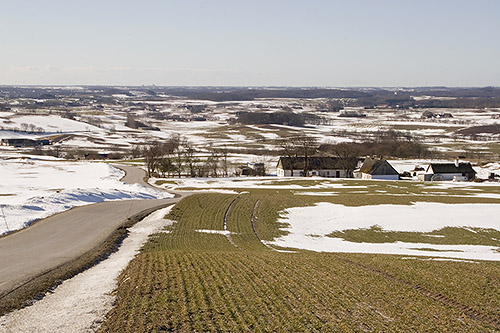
{"x":176,"y":156}
{"x":299,"y":145}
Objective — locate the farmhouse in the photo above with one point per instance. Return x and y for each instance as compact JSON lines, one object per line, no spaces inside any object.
{"x":376,"y":169}
{"x":450,"y":171}
{"x":333,"y":167}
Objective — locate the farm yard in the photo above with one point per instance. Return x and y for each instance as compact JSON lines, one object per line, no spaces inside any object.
{"x":226,"y":265}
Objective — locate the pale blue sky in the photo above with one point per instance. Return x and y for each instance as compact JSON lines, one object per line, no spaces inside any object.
{"x":258,"y":43}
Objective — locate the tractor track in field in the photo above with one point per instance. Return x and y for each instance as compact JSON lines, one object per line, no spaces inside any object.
{"x":254,"y":226}
{"x":226,"y":215}
{"x":436,"y":296}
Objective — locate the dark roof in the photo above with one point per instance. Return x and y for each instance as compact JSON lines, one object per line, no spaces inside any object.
{"x":377,"y":167}
{"x":317,"y":163}
{"x":451,"y":168}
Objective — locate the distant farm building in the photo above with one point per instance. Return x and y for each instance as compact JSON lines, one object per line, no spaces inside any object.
{"x":24,"y":142}
{"x":376,"y":169}
{"x":332,"y":167}
{"x":449,"y":171}
{"x":251,"y":169}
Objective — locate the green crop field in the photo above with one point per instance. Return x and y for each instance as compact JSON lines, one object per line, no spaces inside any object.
{"x":186,"y":280}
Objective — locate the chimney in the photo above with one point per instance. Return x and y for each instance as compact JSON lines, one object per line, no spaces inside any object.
{"x":456,"y":163}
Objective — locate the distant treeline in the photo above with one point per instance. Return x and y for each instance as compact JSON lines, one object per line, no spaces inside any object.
{"x":280,"y":117}
{"x":385,"y":148}
{"x":251,"y":94}
{"x":365,"y":97}
{"x":472,"y":103}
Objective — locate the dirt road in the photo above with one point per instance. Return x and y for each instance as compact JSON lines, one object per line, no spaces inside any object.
{"x":53,"y":241}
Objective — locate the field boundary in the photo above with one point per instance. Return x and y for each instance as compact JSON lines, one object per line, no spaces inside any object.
{"x":35,"y":288}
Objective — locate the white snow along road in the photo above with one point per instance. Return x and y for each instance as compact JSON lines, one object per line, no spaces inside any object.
{"x":80,"y":303}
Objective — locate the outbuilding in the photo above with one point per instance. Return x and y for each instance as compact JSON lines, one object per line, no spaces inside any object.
{"x":380,"y":169}
{"x":450,"y":171}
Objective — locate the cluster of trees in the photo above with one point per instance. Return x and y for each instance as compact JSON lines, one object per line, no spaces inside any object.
{"x":300,"y":145}
{"x":279,"y":117}
{"x":468,"y":102}
{"x":386,"y":146}
{"x":177,"y":157}
{"x":31,"y":128}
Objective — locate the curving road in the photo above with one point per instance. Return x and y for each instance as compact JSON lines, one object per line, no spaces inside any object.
{"x":66,"y":236}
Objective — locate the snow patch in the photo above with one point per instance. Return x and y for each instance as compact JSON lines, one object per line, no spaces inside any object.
{"x":308,"y":227}
{"x":219,"y":232}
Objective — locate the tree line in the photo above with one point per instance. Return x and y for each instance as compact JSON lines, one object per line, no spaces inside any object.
{"x":280,"y":117}
{"x":176,"y":156}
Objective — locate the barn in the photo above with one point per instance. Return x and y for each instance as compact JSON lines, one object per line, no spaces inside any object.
{"x":376,"y":169}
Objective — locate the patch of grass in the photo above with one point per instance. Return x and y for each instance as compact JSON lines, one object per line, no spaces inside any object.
{"x":161,"y":182}
{"x":190,"y":281}
{"x":450,"y":236}
{"x":433,"y":250}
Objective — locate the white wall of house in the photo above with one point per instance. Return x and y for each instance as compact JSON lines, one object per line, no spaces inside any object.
{"x":385,"y":177}
{"x":322,"y":173}
{"x":449,"y":176}
{"x":287,"y":173}
{"x":280,"y":172}
{"x":379,"y":177}
{"x":332,"y":173}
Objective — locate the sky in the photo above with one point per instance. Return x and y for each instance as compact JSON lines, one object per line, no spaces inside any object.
{"x":320,"y":43}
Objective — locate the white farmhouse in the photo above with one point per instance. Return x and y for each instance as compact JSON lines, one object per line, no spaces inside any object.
{"x":376,"y":169}
{"x":332,"y":167}
{"x":450,"y":171}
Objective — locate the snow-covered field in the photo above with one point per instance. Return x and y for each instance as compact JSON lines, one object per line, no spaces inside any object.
{"x":80,"y":303}
{"x":107,"y":125}
{"x":308,"y":227}
{"x":32,"y":188}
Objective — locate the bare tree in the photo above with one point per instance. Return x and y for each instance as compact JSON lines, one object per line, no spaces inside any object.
{"x":348,"y":157}
{"x":308,"y":147}
{"x":223,"y":153}
{"x":213,"y":163}
{"x":152,"y":154}
{"x":190,"y":158}
{"x":176,"y":146}
{"x":136,"y":151}
{"x":289,"y":150}
{"x":166,"y":167}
